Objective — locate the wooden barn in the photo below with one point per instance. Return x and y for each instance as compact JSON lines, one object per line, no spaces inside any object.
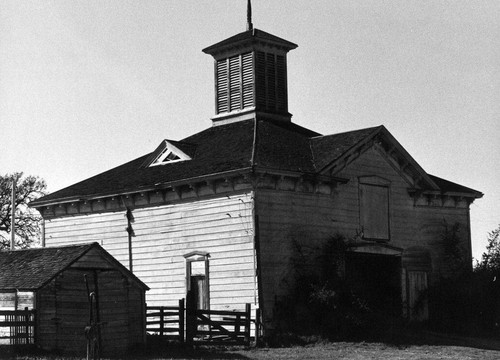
{"x":223,"y":212}
{"x":51,"y":281}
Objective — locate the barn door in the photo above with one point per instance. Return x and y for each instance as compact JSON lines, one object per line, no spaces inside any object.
{"x":418,"y":307}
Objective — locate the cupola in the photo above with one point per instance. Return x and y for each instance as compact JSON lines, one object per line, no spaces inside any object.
{"x":250,"y":76}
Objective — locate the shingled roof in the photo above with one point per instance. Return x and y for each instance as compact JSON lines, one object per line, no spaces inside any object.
{"x":32,"y":269}
{"x":240,"y":147}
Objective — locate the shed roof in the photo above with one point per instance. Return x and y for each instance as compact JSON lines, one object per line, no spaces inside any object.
{"x":32,"y":269}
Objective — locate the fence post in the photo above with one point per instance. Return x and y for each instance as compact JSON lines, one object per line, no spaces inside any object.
{"x":237,"y":326}
{"x":35,"y":326}
{"x":257,"y":327}
{"x":190,"y":317}
{"x":161,"y":320}
{"x":181,"y":320}
{"x":26,"y":325}
{"x":247,"y":324}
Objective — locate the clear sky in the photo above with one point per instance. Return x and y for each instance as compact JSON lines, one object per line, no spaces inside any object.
{"x":86,"y":85}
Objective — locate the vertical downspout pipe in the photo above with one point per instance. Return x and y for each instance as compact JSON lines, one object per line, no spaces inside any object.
{"x":13,"y":216}
{"x":130,"y":232}
{"x":43,"y":232}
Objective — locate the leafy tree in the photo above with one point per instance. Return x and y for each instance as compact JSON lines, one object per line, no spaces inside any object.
{"x":27,"y":220}
{"x":491,"y":258}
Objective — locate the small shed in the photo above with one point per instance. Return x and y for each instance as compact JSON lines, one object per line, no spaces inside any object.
{"x":52,"y":282}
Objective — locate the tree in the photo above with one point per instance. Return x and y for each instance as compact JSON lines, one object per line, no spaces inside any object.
{"x":491,"y":258}
{"x":27,"y":220}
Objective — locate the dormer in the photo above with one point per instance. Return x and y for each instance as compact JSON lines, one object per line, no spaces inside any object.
{"x":168,"y":152}
{"x":250,"y":77}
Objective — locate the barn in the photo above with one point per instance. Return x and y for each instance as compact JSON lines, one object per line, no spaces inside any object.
{"x":223,"y":211}
{"x":54,"y":283}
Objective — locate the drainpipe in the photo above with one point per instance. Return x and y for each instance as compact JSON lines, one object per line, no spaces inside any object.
{"x":13,"y":216}
{"x":43,"y":232}
{"x":130,"y":232}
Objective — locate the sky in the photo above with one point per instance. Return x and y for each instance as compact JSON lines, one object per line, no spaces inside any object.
{"x":88,"y":85}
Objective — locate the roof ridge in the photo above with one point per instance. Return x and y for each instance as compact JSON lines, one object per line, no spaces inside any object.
{"x":53,"y":247}
{"x":350,"y":131}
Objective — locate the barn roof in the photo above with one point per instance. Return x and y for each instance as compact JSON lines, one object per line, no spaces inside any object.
{"x":32,"y":269}
{"x":238,"y":147}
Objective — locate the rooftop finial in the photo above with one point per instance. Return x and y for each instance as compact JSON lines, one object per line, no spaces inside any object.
{"x":249,"y":16}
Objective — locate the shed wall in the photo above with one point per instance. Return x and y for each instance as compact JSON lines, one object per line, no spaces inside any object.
{"x":63,"y":312}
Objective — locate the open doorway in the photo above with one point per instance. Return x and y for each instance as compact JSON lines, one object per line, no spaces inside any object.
{"x":376,"y":279}
{"x":197,"y":278}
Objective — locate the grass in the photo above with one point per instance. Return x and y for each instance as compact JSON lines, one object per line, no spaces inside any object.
{"x":438,"y":347}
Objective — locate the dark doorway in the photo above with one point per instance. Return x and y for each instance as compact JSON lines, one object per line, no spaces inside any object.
{"x":199,"y":289}
{"x":197,"y":280}
{"x":376,"y":279}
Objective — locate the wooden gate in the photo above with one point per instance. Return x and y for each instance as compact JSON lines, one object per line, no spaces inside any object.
{"x":216,"y":327}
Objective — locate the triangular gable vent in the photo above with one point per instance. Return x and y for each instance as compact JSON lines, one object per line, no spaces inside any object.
{"x":166,"y":153}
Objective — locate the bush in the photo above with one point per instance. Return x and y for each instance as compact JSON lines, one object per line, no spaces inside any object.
{"x":468,"y":304}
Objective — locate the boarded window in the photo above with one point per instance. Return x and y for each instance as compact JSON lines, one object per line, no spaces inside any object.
{"x":374,"y":211}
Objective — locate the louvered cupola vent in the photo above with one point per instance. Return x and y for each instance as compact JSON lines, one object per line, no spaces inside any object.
{"x":234,"y":83}
{"x":250,"y":77}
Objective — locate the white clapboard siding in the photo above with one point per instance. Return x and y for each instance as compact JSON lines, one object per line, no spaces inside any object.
{"x":222,"y":227}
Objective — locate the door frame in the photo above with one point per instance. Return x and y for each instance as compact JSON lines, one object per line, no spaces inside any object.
{"x":191,"y":259}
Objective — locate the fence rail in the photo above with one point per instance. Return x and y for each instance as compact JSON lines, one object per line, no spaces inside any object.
{"x":17,"y":327}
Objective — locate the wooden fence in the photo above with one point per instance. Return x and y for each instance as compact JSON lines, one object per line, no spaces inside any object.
{"x":17,"y":327}
{"x":166,"y":321}
{"x":201,"y":326}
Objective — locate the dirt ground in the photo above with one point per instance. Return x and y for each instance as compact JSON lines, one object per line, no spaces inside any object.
{"x":338,"y":350}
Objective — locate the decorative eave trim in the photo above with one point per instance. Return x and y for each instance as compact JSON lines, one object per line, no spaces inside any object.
{"x":449,"y":199}
{"x":295,"y":174}
{"x":417,"y":192}
{"x":191,"y":189}
{"x":155,"y":187}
